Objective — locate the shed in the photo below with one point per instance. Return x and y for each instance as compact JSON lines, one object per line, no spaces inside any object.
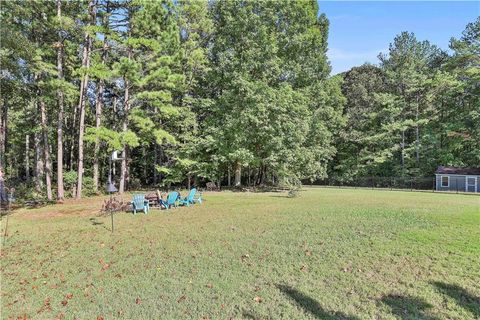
{"x":457,"y":179}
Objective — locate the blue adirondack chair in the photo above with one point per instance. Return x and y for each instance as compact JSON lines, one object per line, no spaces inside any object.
{"x":197,"y":199}
{"x":162,"y":203}
{"x":140,"y":204}
{"x":172,"y":200}
{"x":188,"y":199}
{"x":191,"y":199}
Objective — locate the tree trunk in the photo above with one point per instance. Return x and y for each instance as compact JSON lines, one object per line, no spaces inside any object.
{"x":229,"y":179}
{"x":72,"y":142}
{"x":155,"y":162}
{"x":126,"y":102}
{"x":417,"y":135}
{"x":46,"y":150}
{"x":238,"y":175}
{"x":264,"y":175}
{"x":60,"y":191}
{"x":82,"y":100}
{"x":403,"y":151}
{"x":38,"y":163}
{"x":3,"y":132}
{"x":98,"y":115}
{"x":123,"y":169}
{"x":27,"y":158}
{"x":145,"y":161}
{"x":99,"y":105}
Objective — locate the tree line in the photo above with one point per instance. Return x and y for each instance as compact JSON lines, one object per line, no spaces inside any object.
{"x":418,"y":109}
{"x":234,"y":92}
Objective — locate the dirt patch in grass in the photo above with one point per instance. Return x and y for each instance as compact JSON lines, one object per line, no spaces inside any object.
{"x":82,"y":208}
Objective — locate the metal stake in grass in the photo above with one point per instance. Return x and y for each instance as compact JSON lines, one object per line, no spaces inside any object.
{"x":110,"y":186}
{"x":111,"y":189}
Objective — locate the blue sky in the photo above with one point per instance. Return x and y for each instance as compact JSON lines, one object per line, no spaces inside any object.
{"x":359,"y":30}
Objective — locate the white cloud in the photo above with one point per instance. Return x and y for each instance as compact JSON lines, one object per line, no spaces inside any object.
{"x":343,"y":60}
{"x":368,"y":56}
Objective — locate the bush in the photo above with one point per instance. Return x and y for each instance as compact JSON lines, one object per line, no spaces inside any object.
{"x":70,"y":181}
{"x":88,"y":186}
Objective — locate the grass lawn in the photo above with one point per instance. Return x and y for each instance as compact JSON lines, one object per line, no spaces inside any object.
{"x":328,"y":254}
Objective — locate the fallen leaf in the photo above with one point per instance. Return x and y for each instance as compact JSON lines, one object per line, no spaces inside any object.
{"x":138,"y":301}
{"x":99,"y":318}
{"x":69,"y":296}
{"x":182,"y":298}
{"x":304,"y":268}
{"x":258,"y":299}
{"x":105,"y":266}
{"x":64,"y":302}
{"x":209,"y":285}
{"x":60,"y":316}
{"x":46,"y":306}
{"x":308,"y":252}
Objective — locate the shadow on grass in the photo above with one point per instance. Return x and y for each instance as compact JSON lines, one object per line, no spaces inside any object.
{"x":310,"y":305}
{"x":95,"y":222}
{"x":463,"y":298}
{"x":257,"y":189}
{"x":249,"y":315}
{"x":408,"y":307}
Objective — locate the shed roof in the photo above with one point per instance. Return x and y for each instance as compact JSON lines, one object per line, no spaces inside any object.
{"x":456,"y":170}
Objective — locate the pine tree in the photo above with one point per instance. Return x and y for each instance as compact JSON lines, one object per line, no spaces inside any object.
{"x":86,"y":52}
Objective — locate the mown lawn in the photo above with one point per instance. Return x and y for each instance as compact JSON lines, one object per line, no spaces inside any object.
{"x":328,"y":254}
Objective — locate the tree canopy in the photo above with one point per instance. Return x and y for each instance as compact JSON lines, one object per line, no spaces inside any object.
{"x":236,"y":92}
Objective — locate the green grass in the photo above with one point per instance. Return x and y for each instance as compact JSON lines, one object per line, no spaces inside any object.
{"x":330,"y":253}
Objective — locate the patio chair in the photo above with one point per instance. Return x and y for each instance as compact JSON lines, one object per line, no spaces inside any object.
{"x":192,"y":198}
{"x":139,"y":203}
{"x":172,"y":200}
{"x":188,"y":199}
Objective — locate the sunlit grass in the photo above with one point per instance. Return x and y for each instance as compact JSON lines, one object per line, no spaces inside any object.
{"x":334,"y":253}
